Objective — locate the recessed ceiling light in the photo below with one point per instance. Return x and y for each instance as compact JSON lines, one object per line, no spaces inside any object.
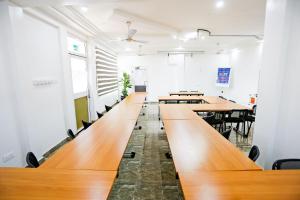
{"x":84,"y":9}
{"x":220,"y":4}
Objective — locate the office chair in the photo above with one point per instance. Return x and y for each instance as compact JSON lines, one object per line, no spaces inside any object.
{"x":232,"y":101}
{"x":212,"y":119}
{"x":238,"y":117}
{"x":108,"y":108}
{"x":71,"y":134}
{"x":222,"y":97}
{"x":99,"y":115}
{"x":31,"y":160}
{"x":291,"y":163}
{"x":86,"y":124}
{"x":250,"y":118}
{"x":254,"y":153}
{"x":226,"y":134}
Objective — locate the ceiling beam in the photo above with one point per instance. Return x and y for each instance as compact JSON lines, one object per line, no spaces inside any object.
{"x":126,"y":16}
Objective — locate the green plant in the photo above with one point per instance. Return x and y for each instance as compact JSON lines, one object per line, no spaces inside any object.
{"x":126,"y":84}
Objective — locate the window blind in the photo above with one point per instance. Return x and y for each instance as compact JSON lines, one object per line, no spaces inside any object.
{"x":106,"y":72}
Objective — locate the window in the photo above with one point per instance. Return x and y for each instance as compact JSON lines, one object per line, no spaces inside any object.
{"x":79,"y":74}
{"x":78,"y":62}
{"x":76,"y":47}
{"x":106,"y":72}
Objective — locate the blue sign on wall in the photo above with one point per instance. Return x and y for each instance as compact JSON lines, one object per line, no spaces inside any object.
{"x":223,"y":79}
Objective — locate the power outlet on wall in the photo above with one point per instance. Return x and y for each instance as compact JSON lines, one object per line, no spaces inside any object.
{"x":8,"y":156}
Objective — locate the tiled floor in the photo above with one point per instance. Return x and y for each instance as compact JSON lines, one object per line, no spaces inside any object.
{"x":150,"y":175}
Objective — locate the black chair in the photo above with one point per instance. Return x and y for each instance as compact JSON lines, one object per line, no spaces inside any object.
{"x":232,"y":101}
{"x":108,"y":108}
{"x":254,"y":153}
{"x":238,"y":117}
{"x":214,"y":121}
{"x":291,"y":163}
{"x":86,"y":124}
{"x":31,"y":160}
{"x":222,"y":97}
{"x":250,"y":118}
{"x":226,"y":134}
{"x":71,"y":134}
{"x":99,"y":115}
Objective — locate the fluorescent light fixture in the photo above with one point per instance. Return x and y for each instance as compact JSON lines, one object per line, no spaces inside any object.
{"x":84,"y":9}
{"x":220,"y":4}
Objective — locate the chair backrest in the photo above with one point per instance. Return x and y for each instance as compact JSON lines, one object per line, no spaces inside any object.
{"x":292,"y":163}
{"x":99,"y":115}
{"x":239,"y":113}
{"x":221,"y":97}
{"x":254,"y":109}
{"x":232,"y":101}
{"x":86,"y":124}
{"x":31,"y":160}
{"x":210,"y":117}
{"x":108,"y":108}
{"x":70,"y":134}
{"x":254,"y":153}
{"x":226,"y":134}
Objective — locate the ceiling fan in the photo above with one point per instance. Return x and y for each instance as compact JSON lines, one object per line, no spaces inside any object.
{"x":131,"y":33}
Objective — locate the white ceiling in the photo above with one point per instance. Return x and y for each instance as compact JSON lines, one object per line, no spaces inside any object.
{"x":157,"y":20}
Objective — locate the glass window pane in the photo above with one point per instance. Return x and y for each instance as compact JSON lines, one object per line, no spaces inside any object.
{"x":79,"y":75}
{"x":76,"y":46}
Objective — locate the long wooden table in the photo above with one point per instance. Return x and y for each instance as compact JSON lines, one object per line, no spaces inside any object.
{"x":186,"y":93}
{"x":176,"y":111}
{"x":26,"y":183}
{"x":195,"y":145}
{"x":232,"y":185}
{"x":218,"y":107}
{"x":102,"y":145}
{"x":179,"y":98}
{"x":206,"y":99}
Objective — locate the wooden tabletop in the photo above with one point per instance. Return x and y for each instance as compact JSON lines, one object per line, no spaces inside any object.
{"x":100,"y":147}
{"x":127,"y":109}
{"x":186,"y":93}
{"x":179,"y":98}
{"x":26,"y":183}
{"x":136,"y":97}
{"x":176,"y":111}
{"x":233,"y":185}
{"x":214,"y":99}
{"x":217,"y":107}
{"x":195,"y":145}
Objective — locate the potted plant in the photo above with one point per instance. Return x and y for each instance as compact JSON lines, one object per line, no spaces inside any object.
{"x":126,"y":84}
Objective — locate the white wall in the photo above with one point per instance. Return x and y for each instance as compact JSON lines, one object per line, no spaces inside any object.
{"x":38,"y":56}
{"x":10,"y":125}
{"x":199,"y":72}
{"x":245,"y":64}
{"x":34,"y":118}
{"x":276,"y":131}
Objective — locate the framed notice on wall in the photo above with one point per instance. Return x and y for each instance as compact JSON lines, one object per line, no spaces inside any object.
{"x":223,"y":79}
